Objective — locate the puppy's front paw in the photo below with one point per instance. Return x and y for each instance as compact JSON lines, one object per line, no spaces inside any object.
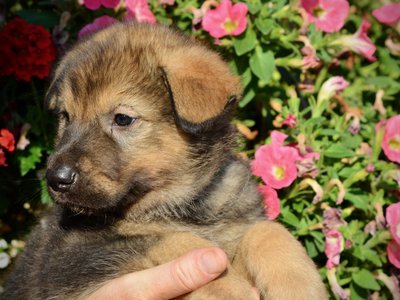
{"x":228,"y":287}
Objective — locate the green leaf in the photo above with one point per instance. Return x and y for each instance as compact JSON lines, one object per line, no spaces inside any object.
{"x":359,"y":201}
{"x":319,"y":240}
{"x":338,"y":151}
{"x":366,"y":280}
{"x":247,"y":98}
{"x":262,"y":64}
{"x":246,"y":77}
{"x":27,"y":163}
{"x":265,"y":25}
{"x":352,"y":141}
{"x":357,"y":293}
{"x":289,"y":218}
{"x":46,"y":19}
{"x":245,"y":42}
{"x":311,"y":249}
{"x":254,"y":6}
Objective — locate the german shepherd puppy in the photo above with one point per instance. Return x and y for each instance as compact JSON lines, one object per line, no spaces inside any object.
{"x":143,"y":171}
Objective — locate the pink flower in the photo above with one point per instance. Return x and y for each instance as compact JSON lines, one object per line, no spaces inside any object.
{"x":7,"y":140}
{"x":2,"y":158}
{"x":226,"y":19}
{"x":95,"y":4}
{"x":333,"y":246}
{"x":332,"y":86}
{"x":290,"y":121}
{"x":139,"y":11}
{"x":359,"y":42}
{"x":391,"y":139}
{"x":276,"y":164}
{"x":388,"y":14}
{"x":393,"y":219}
{"x":271,"y":202}
{"x":97,"y":25}
{"x":393,"y":250}
{"x":328,"y":15}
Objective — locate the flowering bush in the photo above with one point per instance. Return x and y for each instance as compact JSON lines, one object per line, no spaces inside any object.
{"x":319,"y":117}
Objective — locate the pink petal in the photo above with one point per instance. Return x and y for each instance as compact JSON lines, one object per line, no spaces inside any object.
{"x":238,"y":14}
{"x":333,"y":247}
{"x":98,"y":24}
{"x":271,"y":202}
{"x":393,"y":250}
{"x":270,"y":157}
{"x":139,"y":11}
{"x":215,"y":19}
{"x":212,"y":23}
{"x":393,"y":219}
{"x":391,"y":139}
{"x":277,"y":138}
{"x":92,"y":4}
{"x":309,"y":5}
{"x":388,"y":14}
{"x":336,"y":14}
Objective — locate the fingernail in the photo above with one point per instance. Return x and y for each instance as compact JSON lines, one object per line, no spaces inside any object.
{"x":212,"y":263}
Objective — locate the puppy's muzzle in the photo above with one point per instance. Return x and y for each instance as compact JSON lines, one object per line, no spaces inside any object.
{"x":61,"y":178}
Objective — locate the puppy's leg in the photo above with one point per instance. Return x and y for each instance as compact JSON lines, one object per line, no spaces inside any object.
{"x":230,"y":285}
{"x":278,"y":264}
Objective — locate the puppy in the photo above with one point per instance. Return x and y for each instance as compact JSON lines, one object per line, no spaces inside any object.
{"x":143,"y":171}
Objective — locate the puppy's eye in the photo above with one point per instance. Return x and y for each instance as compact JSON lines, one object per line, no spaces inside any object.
{"x":123,"y":120}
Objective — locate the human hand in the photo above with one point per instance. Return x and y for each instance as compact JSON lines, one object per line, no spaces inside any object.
{"x":178,"y":277}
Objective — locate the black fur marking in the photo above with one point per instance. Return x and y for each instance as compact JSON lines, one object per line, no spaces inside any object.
{"x":197,"y":211}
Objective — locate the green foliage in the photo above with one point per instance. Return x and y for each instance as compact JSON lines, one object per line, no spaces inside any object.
{"x":353,"y":175}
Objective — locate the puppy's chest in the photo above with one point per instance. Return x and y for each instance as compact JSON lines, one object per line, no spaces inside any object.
{"x":224,"y":235}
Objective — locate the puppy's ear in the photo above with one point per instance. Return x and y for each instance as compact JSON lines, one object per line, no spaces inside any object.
{"x":201,"y":87}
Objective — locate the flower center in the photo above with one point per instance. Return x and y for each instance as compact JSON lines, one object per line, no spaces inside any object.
{"x":230,"y":25}
{"x":318,"y":12}
{"x":394,"y":143}
{"x":279,"y":172}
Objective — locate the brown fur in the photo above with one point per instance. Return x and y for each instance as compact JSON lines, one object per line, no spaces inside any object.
{"x":149,"y":192}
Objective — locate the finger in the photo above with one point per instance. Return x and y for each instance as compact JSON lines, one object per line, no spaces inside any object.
{"x":170,"y":280}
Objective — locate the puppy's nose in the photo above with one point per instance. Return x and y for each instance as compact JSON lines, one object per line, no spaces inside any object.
{"x":61,"y":178}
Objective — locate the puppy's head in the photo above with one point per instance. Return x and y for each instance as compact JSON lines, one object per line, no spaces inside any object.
{"x":143,"y":118}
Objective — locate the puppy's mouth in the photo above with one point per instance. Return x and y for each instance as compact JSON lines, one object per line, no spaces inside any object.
{"x":76,"y":204}
{"x":86,"y":202}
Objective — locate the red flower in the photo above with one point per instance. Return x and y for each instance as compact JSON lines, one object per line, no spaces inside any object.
{"x":2,"y":158}
{"x":7,"y":140}
{"x":226,"y":19}
{"x":328,"y":15}
{"x":271,"y":202}
{"x":26,"y":50}
{"x":98,"y":24}
{"x":388,"y":14}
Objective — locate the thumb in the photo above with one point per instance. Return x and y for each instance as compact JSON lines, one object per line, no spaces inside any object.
{"x":178,"y":277}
